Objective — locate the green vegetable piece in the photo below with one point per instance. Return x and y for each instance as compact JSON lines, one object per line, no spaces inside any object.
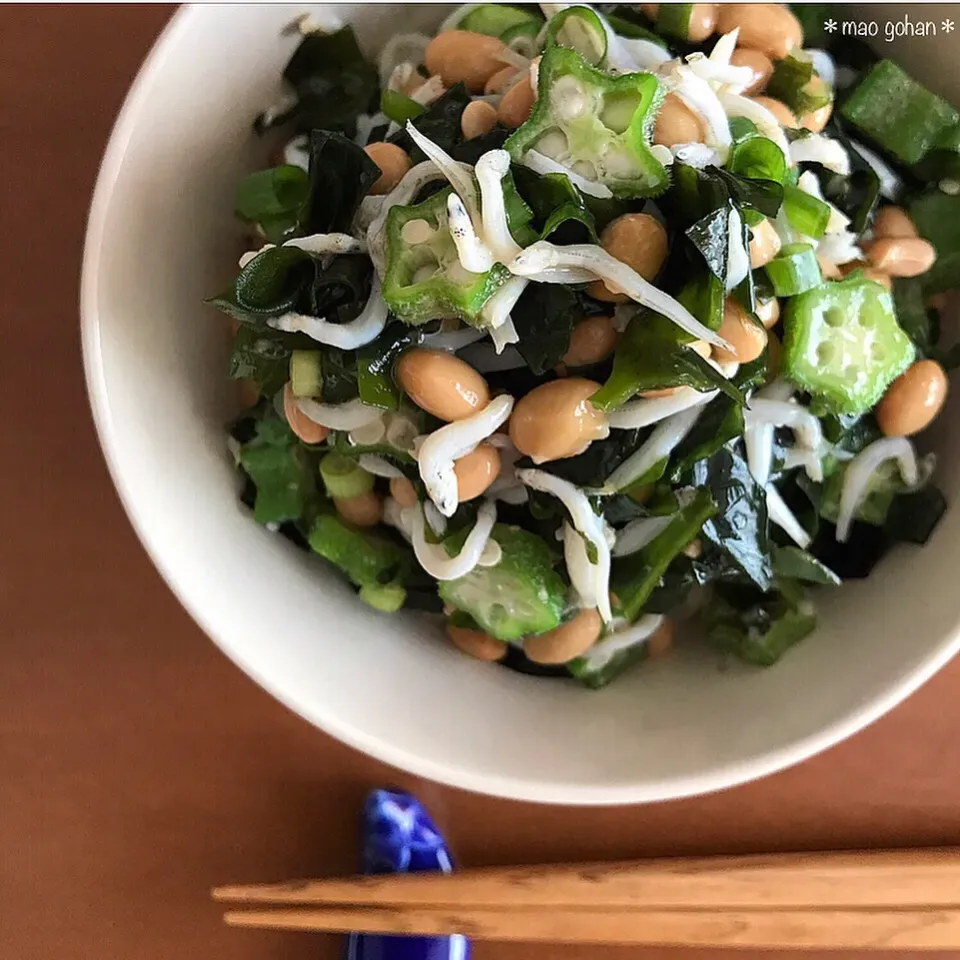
{"x":333,"y":83}
{"x":270,"y":284}
{"x":793,"y":83}
{"x":338,"y":370}
{"x":364,"y":557}
{"x":580,"y":29}
{"x":720,"y":422}
{"x":843,"y":344}
{"x":757,"y":158}
{"x":885,"y":483}
{"x":599,"y":126}
{"x":703,"y":296}
{"x":544,"y":317}
{"x":341,"y":173}
{"x":794,"y":270}
{"x":792,"y":563}
{"x":943,"y":162}
{"x":305,"y":377}
{"x":936,"y":216}
{"x":914,"y":516}
{"x":599,"y":669}
{"x":340,"y":442}
{"x":673,"y":20}
{"x":280,"y":470}
{"x":807,"y":214}
{"x":261,"y":357}
{"x":375,"y":382}
{"x":387,"y":597}
{"x":344,"y":477}
{"x":494,"y":19}
{"x":553,"y":201}
{"x":760,"y":634}
{"x":696,"y":193}
{"x":520,"y":595}
{"x":740,"y":525}
{"x":276,"y":199}
{"x":711,"y":236}
{"x":634,"y":578}
{"x":898,"y":113}
{"x":287,"y":278}
{"x":399,"y":107}
{"x":812,"y":17}
{"x":424,"y":279}
{"x":652,"y":355}
{"x":919,"y":324}
{"x":634,"y":31}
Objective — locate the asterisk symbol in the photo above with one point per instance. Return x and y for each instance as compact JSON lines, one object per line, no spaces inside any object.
{"x":947,"y":26}
{"x":830,"y":26}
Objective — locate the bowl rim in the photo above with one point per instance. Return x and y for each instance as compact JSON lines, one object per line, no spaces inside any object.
{"x":462,"y":777}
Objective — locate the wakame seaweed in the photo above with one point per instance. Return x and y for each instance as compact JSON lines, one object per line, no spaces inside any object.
{"x":332,"y":83}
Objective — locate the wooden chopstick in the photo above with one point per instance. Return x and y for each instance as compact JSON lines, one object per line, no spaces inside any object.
{"x":932,"y":929}
{"x":896,"y":879}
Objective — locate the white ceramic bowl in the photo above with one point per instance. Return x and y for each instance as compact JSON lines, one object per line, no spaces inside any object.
{"x":162,"y":237}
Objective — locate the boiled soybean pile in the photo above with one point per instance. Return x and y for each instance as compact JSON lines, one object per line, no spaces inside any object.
{"x":570,"y":322}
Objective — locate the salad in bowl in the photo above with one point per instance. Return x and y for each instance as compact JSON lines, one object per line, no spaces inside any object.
{"x":575,"y":323}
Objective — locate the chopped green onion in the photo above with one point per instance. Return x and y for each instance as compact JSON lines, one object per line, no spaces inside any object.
{"x":386,"y":597}
{"x":898,"y":113}
{"x":806,"y":213}
{"x":757,"y":158}
{"x":344,"y":478}
{"x":673,"y":19}
{"x":795,"y":270}
{"x":305,"y":377}
{"x":793,"y":83}
{"x":580,"y":29}
{"x":399,"y":107}
{"x":495,"y":18}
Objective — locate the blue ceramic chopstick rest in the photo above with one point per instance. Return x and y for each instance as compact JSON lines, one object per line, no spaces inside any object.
{"x":400,"y":837}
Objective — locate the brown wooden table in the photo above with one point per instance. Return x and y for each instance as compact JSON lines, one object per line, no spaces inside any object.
{"x":137,"y":766}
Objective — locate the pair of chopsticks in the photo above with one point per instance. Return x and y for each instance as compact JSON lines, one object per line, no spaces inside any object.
{"x":892,"y":899}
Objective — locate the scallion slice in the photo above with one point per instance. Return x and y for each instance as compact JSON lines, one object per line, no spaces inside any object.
{"x":399,"y":107}
{"x":343,"y":477}
{"x":795,"y":270}
{"x":807,"y":214}
{"x":385,"y":597}
{"x":305,"y":376}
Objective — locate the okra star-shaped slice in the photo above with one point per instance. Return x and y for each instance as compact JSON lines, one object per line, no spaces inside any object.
{"x":843,"y":344}
{"x":598,"y":126}
{"x":424,"y":278}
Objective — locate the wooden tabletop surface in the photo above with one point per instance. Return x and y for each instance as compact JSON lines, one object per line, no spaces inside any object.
{"x":138,"y":767}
